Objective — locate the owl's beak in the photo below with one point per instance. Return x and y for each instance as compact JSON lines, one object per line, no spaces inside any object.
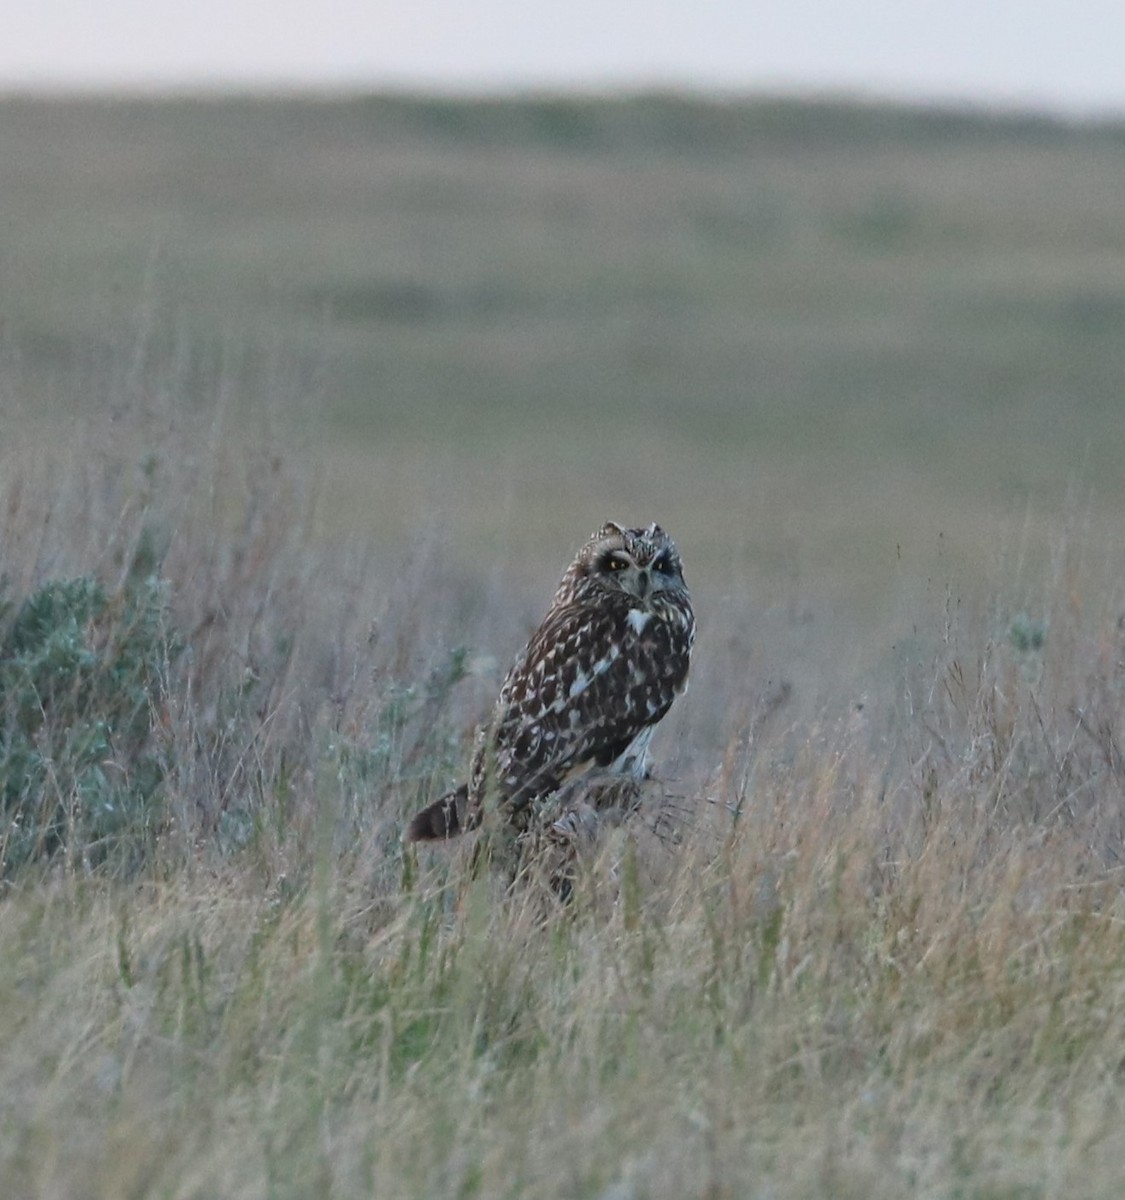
{"x":642,"y":584}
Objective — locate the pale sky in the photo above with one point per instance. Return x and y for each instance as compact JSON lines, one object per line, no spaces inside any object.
{"x":1054,"y":54}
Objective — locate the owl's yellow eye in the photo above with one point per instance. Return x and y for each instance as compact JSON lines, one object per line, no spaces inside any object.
{"x":663,"y":564}
{"x":616,"y":564}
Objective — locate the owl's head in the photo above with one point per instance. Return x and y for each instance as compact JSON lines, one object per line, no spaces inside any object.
{"x":640,"y":562}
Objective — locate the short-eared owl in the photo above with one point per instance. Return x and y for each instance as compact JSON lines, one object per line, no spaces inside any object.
{"x":587,"y":690}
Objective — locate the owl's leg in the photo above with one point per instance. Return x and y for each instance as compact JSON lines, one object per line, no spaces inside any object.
{"x":578,"y":826}
{"x":633,"y":761}
{"x":600,"y":798}
{"x":592,"y":806}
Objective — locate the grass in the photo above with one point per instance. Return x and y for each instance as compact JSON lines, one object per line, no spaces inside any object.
{"x":883,"y":951}
{"x":807,"y":334}
{"x":876,"y":945}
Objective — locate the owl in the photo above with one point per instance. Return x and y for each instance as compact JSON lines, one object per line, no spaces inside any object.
{"x":584,"y":696}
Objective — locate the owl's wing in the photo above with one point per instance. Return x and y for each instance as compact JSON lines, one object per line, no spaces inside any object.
{"x":587,"y":683}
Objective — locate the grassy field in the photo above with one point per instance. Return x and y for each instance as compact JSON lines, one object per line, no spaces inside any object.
{"x":822,"y":345}
{"x":323,"y":395}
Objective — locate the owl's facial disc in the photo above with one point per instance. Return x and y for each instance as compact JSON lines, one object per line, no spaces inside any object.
{"x":621,"y":570}
{"x":638,"y":562}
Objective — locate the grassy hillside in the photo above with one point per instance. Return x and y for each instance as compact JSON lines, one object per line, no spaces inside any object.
{"x":305,"y":406}
{"x":822,"y":345}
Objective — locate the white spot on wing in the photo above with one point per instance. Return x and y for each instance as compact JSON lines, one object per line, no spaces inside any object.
{"x":583,"y":681}
{"x":603,"y":664}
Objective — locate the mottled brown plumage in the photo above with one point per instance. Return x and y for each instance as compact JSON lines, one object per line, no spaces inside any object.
{"x":583,"y":697}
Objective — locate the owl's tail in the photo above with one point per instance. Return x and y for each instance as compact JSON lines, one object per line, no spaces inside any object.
{"x":445,"y":818}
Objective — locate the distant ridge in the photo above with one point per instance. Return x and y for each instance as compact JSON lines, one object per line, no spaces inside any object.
{"x":664,"y":121}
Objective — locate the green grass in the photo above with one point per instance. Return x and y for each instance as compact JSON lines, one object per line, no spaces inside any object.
{"x":354,"y":378}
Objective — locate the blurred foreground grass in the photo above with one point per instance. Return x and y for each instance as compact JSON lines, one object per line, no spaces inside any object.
{"x":334,"y":389}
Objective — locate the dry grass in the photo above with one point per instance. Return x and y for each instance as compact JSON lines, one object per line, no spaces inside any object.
{"x":883,"y":953}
